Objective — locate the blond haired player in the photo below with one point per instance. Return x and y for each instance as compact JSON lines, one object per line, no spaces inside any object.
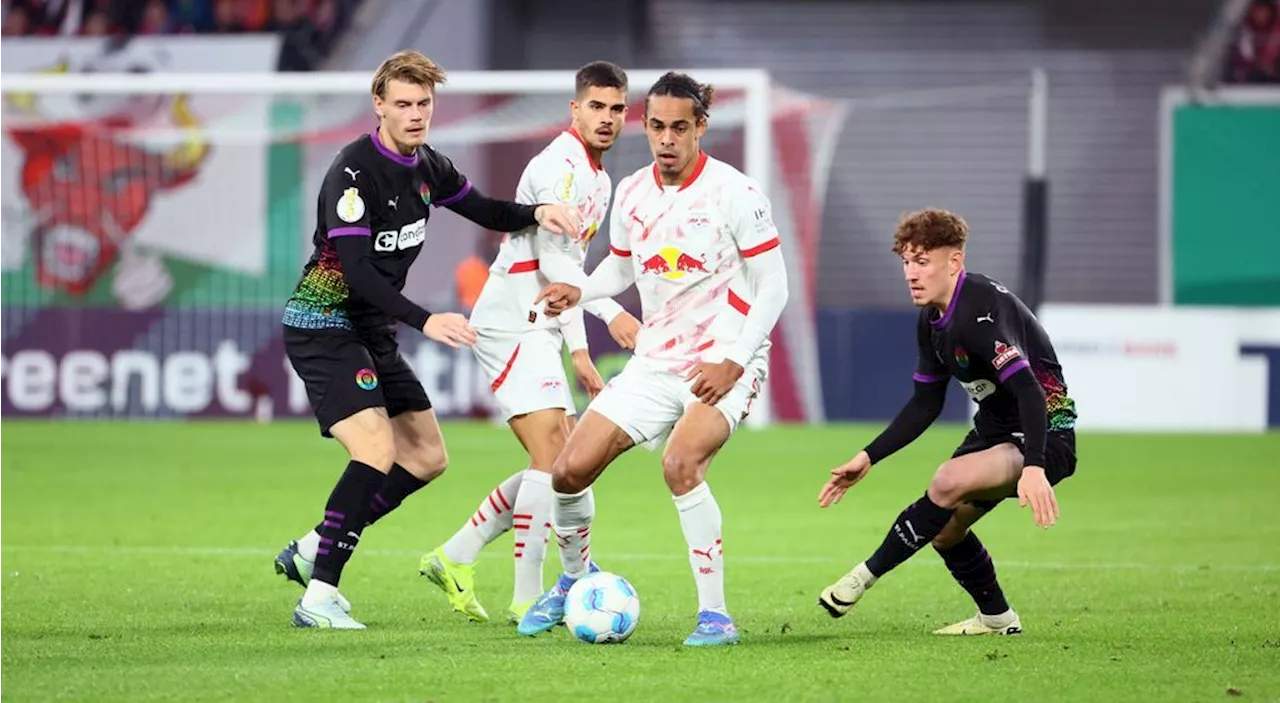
{"x":519,"y":348}
{"x":340,"y":321}
{"x":696,"y":237}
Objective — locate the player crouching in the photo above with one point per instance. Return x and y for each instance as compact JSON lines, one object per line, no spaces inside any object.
{"x":1023,"y":442}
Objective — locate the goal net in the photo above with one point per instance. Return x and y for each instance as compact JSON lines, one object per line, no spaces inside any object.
{"x":154,"y":225}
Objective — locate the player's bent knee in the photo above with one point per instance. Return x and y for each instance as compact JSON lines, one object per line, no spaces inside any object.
{"x":571,"y":471}
{"x":681,"y":473}
{"x":947,"y":488}
{"x":424,"y":461}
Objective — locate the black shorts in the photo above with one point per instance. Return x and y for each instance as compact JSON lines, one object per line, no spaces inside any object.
{"x":346,"y":371}
{"x":1059,"y":456}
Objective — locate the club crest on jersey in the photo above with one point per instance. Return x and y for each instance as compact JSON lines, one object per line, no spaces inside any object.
{"x":1004,"y":354}
{"x":350,"y":205}
{"x":567,"y":190}
{"x":672,"y":264}
{"x":366,"y":379}
{"x":698,"y":220}
{"x":962,"y":358}
{"x":424,"y":191}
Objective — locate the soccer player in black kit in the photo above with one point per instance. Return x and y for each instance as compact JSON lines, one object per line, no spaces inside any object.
{"x":1023,"y":442}
{"x":339,"y":324}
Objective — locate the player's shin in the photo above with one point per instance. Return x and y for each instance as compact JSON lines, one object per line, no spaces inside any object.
{"x":344,"y":519}
{"x":491,"y":519}
{"x":573,"y":515}
{"x":701,"y":522}
{"x":915,"y":527}
{"x":398,"y":485}
{"x":971,"y":566}
{"x":531,"y":520}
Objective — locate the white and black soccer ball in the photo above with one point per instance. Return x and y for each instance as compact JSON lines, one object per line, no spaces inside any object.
{"x":602,"y":608}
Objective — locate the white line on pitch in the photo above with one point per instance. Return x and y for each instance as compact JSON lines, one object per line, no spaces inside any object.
{"x":502,"y":553}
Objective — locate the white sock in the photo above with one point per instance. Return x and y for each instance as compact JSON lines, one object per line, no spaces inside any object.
{"x":573,"y":514}
{"x":700,"y":520}
{"x":868,"y":579}
{"x":318,"y":592}
{"x":491,"y":519}
{"x":308,"y":544}
{"x":531,"y":520}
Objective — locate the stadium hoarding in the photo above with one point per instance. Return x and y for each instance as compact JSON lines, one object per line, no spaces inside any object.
{"x":1154,"y":368}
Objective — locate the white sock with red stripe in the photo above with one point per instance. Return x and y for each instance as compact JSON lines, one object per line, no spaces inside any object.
{"x":700,"y":520}
{"x":573,"y":514}
{"x":491,"y":519}
{"x":531,"y":521}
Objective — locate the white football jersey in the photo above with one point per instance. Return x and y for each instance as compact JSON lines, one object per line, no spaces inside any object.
{"x":563,"y":172}
{"x":688,"y":246}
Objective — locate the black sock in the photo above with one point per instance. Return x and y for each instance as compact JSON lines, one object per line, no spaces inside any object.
{"x":399,"y":484}
{"x":344,"y":518}
{"x":396,"y":486}
{"x":971,"y":566}
{"x":915,"y":527}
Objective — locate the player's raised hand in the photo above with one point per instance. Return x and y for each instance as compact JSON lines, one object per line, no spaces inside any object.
{"x":586,"y":372}
{"x":1034,"y":490}
{"x":624,"y":328}
{"x":557,"y":218}
{"x":559,"y":297}
{"x":450,"y":328}
{"x":711,"y":382}
{"x":843,"y":478}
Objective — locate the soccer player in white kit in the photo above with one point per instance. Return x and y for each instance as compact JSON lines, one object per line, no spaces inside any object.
{"x":519,"y":348}
{"x":696,"y":237}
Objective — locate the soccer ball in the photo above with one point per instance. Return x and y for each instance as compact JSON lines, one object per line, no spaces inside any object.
{"x":602,"y":608}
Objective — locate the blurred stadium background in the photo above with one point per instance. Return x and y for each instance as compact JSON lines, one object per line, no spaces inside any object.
{"x":1119,"y":164}
{"x":148,"y":235}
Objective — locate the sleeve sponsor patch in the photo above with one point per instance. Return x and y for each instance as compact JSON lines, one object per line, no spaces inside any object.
{"x":350,"y":206}
{"x":1005,"y":353}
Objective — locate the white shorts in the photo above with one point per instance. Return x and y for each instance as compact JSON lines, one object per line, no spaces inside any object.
{"x":646,"y":403}
{"x":525,"y":370}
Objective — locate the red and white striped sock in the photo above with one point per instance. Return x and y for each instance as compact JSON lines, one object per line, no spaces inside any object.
{"x":573,"y":513}
{"x":532,"y":525}
{"x":491,"y":519}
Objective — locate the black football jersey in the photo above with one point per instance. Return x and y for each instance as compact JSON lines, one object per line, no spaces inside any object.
{"x":382,"y":196}
{"x":985,"y":336}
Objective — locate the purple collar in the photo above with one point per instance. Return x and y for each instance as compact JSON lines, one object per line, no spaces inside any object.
{"x":398,"y":158}
{"x":951,"y":306}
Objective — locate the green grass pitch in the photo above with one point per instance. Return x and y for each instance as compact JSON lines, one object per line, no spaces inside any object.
{"x":137,"y":565}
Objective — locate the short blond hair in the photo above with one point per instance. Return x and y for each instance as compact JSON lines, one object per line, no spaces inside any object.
{"x":410,"y":67}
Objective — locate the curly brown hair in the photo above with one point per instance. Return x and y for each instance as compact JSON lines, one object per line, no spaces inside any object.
{"x":929,"y":229}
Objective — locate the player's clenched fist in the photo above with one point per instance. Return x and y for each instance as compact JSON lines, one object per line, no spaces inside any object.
{"x":559,"y":297}
{"x":624,"y":327}
{"x":557,"y":218}
{"x":843,"y":478}
{"x":450,"y":328}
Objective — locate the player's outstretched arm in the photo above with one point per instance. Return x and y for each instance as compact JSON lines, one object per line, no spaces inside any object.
{"x":912,"y":420}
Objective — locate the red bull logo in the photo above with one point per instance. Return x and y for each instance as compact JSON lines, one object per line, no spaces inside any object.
{"x":671,"y":263}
